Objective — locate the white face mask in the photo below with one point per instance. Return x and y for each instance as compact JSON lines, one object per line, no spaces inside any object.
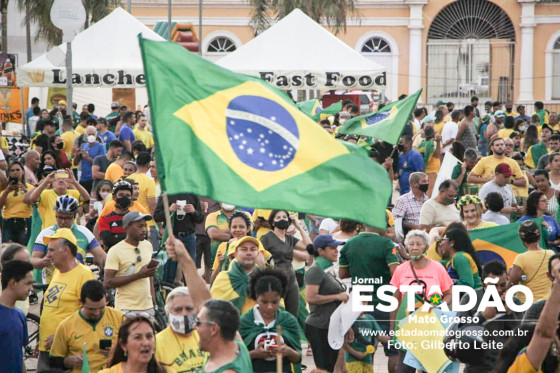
{"x":227,"y":207}
{"x":91,"y":138}
{"x":103,"y":195}
{"x":182,"y":324}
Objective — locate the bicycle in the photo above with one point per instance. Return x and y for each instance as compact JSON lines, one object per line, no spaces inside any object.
{"x":31,"y":350}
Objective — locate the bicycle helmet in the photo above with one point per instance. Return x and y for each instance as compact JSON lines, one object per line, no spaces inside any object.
{"x":66,"y":204}
{"x":122,"y":185}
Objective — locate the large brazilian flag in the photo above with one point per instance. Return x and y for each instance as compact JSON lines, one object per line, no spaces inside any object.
{"x":238,"y":140}
{"x":386,"y":124}
{"x":502,"y":242}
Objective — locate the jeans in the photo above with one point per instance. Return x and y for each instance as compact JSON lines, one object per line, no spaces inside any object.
{"x":170,"y":269}
{"x":16,"y":230}
{"x":154,"y":237}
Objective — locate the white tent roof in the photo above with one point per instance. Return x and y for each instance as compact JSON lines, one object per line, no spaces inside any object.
{"x":103,"y":55}
{"x":297,"y":46}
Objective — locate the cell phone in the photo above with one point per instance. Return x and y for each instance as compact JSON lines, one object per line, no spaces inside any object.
{"x":105,"y":344}
{"x":153,"y":263}
{"x":13,"y":180}
{"x":60,"y":174}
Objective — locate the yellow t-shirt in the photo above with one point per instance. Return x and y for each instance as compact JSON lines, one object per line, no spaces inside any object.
{"x":522,"y":192}
{"x":62,"y":299}
{"x":69,"y":137}
{"x":79,"y":130}
{"x":180,"y":353}
{"x":14,"y":206}
{"x":487,"y":166}
{"x":145,"y":136}
{"x":438,"y":127}
{"x":118,"y":368}
{"x":221,"y":251}
{"x":114,"y":172}
{"x":505,"y":132}
{"x":484,"y":224}
{"x":147,"y":188}
{"x":74,"y":331}
{"x":534,"y":264}
{"x":522,"y":365}
{"x":261,"y":213}
{"x":47,"y":201}
{"x":122,"y":258}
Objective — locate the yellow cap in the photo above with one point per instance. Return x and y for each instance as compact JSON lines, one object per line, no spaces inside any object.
{"x":62,"y":233}
{"x":233,"y":247}
{"x":62,"y":102}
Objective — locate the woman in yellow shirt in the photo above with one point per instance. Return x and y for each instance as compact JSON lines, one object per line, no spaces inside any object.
{"x":430,"y":148}
{"x":470,"y":208}
{"x":16,"y":214}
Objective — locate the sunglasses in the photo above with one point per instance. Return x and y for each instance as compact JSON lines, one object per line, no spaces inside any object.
{"x":139,"y":257}
{"x":198,"y":322}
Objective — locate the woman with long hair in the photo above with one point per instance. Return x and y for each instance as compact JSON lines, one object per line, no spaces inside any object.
{"x":259,"y":326}
{"x":554,"y":173}
{"x":57,"y":144}
{"x":49,"y":162}
{"x":542,"y":184}
{"x":537,"y":207}
{"x":16,"y":213}
{"x":531,"y":138}
{"x":135,"y":350}
{"x":463,"y":266}
{"x":284,"y":248}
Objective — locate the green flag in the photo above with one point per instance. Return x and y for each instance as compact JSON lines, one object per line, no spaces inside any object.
{"x":328,"y":111}
{"x":238,"y":140}
{"x":502,"y":242}
{"x":85,"y":363}
{"x":309,"y":107}
{"x":386,"y":124}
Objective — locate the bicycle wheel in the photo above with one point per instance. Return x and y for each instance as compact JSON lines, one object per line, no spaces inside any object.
{"x":29,"y":352}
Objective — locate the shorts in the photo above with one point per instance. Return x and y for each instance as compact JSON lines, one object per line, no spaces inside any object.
{"x":203,"y":248}
{"x":358,"y":367}
{"x":383,"y":320}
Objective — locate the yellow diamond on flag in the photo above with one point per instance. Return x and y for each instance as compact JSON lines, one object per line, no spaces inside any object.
{"x":258,"y":135}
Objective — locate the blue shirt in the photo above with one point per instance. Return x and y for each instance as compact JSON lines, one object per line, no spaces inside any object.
{"x":29,"y":113}
{"x":408,"y":163}
{"x":93,"y":150}
{"x":524,"y":117}
{"x":126,"y":134}
{"x":553,"y":228}
{"x":107,"y":137}
{"x":13,"y":336}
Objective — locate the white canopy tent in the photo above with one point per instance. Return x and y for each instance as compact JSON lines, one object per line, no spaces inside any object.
{"x":104,"y":56}
{"x":298,"y":53}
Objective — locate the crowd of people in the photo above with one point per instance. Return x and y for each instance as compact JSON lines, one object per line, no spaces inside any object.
{"x":250,"y":285}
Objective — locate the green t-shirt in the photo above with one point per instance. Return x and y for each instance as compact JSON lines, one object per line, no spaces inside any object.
{"x":462,"y":269}
{"x":241,"y":364}
{"x":368,"y":256}
{"x":363,"y":336}
{"x":465,"y":188}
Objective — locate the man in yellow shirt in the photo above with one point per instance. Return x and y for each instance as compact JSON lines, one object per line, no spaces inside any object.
{"x":147,"y":197}
{"x":141,"y":132}
{"x":95,"y":324}
{"x":60,"y":182}
{"x":68,"y":136}
{"x":116,"y":169}
{"x":62,"y":296}
{"x":81,"y":127}
{"x":260,"y":219}
{"x":129,"y":266}
{"x":483,"y":171}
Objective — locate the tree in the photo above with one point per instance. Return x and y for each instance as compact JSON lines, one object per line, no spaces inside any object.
{"x":39,"y":12}
{"x":332,"y":12}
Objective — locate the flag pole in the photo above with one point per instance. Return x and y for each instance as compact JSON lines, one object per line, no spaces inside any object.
{"x":278,"y":353}
{"x":169,"y":227}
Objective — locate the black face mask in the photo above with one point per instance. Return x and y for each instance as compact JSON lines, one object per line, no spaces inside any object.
{"x":400,"y":147}
{"x":423,"y":187}
{"x":282,"y":224}
{"x":124,"y":202}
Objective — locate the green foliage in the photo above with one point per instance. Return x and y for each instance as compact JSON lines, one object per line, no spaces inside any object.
{"x":333,"y":13}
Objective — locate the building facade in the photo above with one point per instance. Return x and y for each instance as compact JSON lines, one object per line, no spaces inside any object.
{"x":453,"y":49}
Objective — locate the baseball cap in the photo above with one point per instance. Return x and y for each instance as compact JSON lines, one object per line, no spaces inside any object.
{"x":325,"y":240}
{"x":233,"y":247}
{"x":133,"y":216}
{"x":505,"y":169}
{"x":428,"y":118}
{"x":115,"y":105}
{"x":514,"y":134}
{"x":65,"y":233}
{"x":500,"y":114}
{"x":440,"y":102}
{"x":62,"y":102}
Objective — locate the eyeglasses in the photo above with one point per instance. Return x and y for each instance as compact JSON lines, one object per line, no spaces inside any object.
{"x":543,"y":200}
{"x":139,"y":257}
{"x":199,"y":322}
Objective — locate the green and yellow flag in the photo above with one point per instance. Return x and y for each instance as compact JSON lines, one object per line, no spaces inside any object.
{"x":238,"y":140}
{"x":328,"y":111}
{"x":310,"y":107}
{"x":386,"y":124}
{"x":85,"y":362}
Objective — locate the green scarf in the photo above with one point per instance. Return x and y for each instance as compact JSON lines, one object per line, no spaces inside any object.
{"x":249,"y":330}
{"x":323,"y":263}
{"x":426,"y":148}
{"x":240,"y":284}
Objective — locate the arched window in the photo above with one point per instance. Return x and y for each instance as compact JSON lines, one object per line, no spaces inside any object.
{"x":556,"y":70}
{"x":376,"y":45}
{"x":221,"y":44}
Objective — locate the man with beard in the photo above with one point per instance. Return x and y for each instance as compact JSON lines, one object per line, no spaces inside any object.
{"x":484,"y":170}
{"x":129,"y":267}
{"x":111,"y":229}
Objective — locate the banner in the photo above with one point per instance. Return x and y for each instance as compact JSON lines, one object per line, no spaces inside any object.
{"x":10,"y":104}
{"x":55,"y":94}
{"x":56,"y":77}
{"x":321,"y":79}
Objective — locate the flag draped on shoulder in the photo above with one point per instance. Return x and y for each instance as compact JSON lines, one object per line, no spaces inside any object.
{"x":502,"y":242}
{"x":386,"y":124}
{"x":238,"y":140}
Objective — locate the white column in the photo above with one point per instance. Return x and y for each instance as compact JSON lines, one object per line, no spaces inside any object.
{"x":415,"y":27}
{"x":527,"y":26}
